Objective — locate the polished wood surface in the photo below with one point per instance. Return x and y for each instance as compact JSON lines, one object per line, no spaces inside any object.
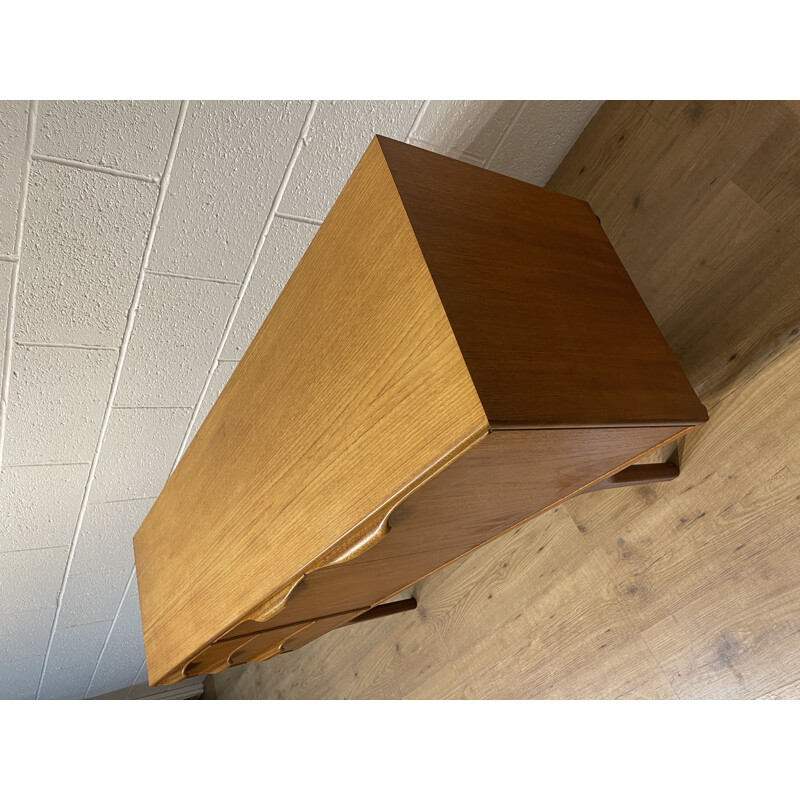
{"x":505,"y":479}
{"x":353,"y":390}
{"x":384,"y":422}
{"x":550,"y":325}
{"x":385,"y":610}
{"x":638,"y":474}
{"x":686,"y":589}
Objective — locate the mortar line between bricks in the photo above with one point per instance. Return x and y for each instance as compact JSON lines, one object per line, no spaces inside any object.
{"x":417,"y":120}
{"x":32,"y":550}
{"x":117,"y":173}
{"x":122,"y":500}
{"x":298,"y":218}
{"x":163,"y":274}
{"x":5,"y":388}
{"x":66,"y":345}
{"x":162,"y":193}
{"x":110,"y":632}
{"x":154,"y":408}
{"x":11,"y":258}
{"x":450,"y":152}
{"x":138,"y":673}
{"x":273,"y":210}
{"x":50,"y":464}
{"x":503,"y":138}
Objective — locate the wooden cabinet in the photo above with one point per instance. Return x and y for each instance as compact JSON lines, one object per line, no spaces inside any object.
{"x":456,"y":352}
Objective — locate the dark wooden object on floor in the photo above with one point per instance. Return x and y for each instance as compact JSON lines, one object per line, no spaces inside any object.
{"x":638,"y":474}
{"x":456,"y":352}
{"x":386,"y":610}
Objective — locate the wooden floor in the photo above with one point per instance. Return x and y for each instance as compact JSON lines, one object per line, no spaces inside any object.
{"x":689,"y":589}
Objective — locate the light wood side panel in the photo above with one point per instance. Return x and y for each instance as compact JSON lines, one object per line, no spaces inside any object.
{"x":353,"y":391}
{"x":507,"y":478}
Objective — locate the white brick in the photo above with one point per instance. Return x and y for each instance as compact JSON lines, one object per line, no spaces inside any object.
{"x":466,"y":127}
{"x":19,"y":678}
{"x":13,"y":133}
{"x":220,"y":377}
{"x":26,"y":634}
{"x":124,"y":652}
{"x":106,"y":538}
{"x":57,"y":399}
{"x":129,"y":622}
{"x":92,"y":596}
{"x":285,"y":245}
{"x":85,"y":234}
{"x":541,"y":137}
{"x":40,"y":505}
{"x":230,"y":162}
{"x":31,"y":579}
{"x":339,"y":134}
{"x":77,"y":645}
{"x":130,"y":135}
{"x":6,"y":270}
{"x":178,"y":329}
{"x":66,"y":684}
{"x":138,"y":452}
{"x":141,"y":675}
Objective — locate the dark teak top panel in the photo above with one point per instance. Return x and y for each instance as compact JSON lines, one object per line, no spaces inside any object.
{"x":551,"y":327}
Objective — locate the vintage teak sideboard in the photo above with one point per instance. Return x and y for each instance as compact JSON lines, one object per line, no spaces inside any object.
{"x":456,"y":352}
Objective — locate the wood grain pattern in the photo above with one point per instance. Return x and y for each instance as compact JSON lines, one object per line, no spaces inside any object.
{"x":551,"y":327}
{"x":681,"y":590}
{"x":455,"y":353}
{"x":353,"y":388}
{"x":505,"y":479}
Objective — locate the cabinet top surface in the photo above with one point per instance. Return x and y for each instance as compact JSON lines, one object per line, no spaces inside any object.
{"x":353,"y":389}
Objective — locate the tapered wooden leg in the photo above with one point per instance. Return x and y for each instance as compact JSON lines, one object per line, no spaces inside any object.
{"x":638,"y":474}
{"x":386,"y":609}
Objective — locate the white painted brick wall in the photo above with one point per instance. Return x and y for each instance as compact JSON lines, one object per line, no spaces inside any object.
{"x":19,"y":677}
{"x":230,"y":161}
{"x":106,"y":540}
{"x":56,"y":403}
{"x":180,"y":325}
{"x":129,"y":135}
{"x":138,"y":452}
{"x":29,"y":579}
{"x":40,"y":505}
{"x":29,"y":630}
{"x":541,"y":137}
{"x":467,"y":129}
{"x":153,"y":240}
{"x":84,"y":236}
{"x":13,"y":127}
{"x":124,"y":651}
{"x":66,"y":684}
{"x":78,"y":645}
{"x":339,"y":134}
{"x":6,"y":270}
{"x":93,"y":596}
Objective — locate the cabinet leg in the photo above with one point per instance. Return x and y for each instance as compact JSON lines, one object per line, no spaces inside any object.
{"x":386,"y":610}
{"x":638,"y":474}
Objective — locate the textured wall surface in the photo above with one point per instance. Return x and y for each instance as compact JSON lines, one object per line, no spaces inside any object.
{"x":141,"y":246}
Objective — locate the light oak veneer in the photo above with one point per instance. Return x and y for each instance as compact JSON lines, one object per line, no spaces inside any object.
{"x":456,"y":352}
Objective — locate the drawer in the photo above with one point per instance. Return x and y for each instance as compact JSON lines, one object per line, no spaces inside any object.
{"x":263,"y":644}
